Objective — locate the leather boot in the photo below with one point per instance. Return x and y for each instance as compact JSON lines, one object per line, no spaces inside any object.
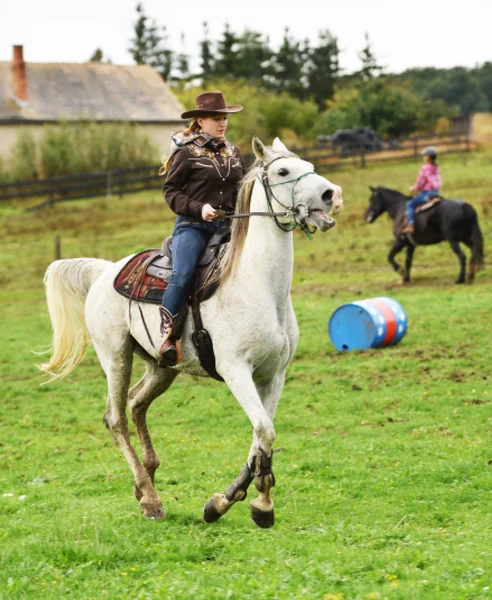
{"x":168,"y":349}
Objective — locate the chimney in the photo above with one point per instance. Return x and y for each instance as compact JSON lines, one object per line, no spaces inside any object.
{"x":19,"y":77}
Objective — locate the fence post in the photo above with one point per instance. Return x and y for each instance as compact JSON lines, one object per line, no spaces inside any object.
{"x":415,"y":149}
{"x":109,"y":180}
{"x":362,"y":158}
{"x":57,"y":246}
{"x":120,"y":187}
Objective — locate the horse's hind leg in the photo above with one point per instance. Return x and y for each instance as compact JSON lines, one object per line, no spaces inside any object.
{"x":259,"y":464}
{"x":154,"y":383}
{"x":118,"y":370}
{"x":472,"y":268}
{"x":455,"y":246}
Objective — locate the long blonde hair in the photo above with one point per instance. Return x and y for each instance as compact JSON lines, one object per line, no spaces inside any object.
{"x":239,"y":230}
{"x":193,"y":127}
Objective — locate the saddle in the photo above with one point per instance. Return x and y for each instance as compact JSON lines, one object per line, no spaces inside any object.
{"x":402,"y":221}
{"x":429,"y":204}
{"x":145,"y":277}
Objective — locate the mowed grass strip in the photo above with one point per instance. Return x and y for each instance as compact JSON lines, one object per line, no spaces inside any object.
{"x":384,"y":462}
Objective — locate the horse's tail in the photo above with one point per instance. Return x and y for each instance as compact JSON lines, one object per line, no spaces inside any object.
{"x":476,"y":237}
{"x":67,"y":285}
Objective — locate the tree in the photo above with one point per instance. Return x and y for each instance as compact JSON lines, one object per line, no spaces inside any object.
{"x":483,"y":77}
{"x":207,"y":64}
{"x":254,"y":56}
{"x":149,"y":47}
{"x":227,"y":49}
{"x":97,"y":55}
{"x":385,"y":105}
{"x":457,"y":86}
{"x":323,"y":68}
{"x":288,"y":72}
{"x":182,"y":63}
{"x":370,"y":67}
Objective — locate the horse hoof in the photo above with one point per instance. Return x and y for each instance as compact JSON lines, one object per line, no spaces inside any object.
{"x":263,"y":518}
{"x":153,"y":512}
{"x":210,"y":512}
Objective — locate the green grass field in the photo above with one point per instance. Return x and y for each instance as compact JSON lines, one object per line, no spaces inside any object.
{"x":384,"y":462}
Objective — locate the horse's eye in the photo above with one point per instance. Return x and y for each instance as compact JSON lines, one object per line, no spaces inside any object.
{"x":283,"y":172}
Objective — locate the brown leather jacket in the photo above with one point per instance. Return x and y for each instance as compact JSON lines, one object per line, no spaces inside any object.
{"x":203,"y":173}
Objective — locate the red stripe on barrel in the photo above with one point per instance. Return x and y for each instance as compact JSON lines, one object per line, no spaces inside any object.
{"x":389,"y":317}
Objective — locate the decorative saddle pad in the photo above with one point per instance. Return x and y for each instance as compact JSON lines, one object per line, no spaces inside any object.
{"x":132,"y":283}
{"x":146,"y":275}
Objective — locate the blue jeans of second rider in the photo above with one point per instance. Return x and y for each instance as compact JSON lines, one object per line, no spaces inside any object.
{"x":190,"y":237}
{"x":419,"y":199}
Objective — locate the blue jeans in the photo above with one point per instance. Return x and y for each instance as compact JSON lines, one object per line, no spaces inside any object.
{"x":190,"y":237}
{"x":419,"y":199}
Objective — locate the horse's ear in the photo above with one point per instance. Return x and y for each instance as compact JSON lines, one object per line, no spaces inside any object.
{"x":259,"y":149}
{"x":373,"y":189}
{"x":279,"y":146}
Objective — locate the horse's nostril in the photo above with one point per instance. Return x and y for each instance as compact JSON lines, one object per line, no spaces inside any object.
{"x":327,"y":195}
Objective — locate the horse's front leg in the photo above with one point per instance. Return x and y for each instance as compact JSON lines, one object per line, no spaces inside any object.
{"x":154,"y":383}
{"x":408,"y":262}
{"x":398,"y":246}
{"x":259,"y":403}
{"x":262,"y":506}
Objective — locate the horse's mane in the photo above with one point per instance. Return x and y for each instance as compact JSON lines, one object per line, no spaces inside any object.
{"x":240,"y":227}
{"x":392,"y":194}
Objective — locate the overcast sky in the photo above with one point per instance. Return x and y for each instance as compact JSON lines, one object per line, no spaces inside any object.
{"x":441,"y":33}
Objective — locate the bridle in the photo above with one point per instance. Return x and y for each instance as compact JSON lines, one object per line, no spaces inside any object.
{"x":293,"y":210}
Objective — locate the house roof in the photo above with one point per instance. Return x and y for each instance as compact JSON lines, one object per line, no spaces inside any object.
{"x":92,"y":90}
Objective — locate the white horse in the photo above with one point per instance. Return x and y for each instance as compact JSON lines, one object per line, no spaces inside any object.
{"x":250,"y":319}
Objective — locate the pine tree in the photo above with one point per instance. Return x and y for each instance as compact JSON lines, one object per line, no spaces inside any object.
{"x":182,"y":63}
{"x":226,"y":63}
{"x":370,"y":67}
{"x":254,"y":56}
{"x":207,"y":60}
{"x":97,"y":55}
{"x":323,"y":68}
{"x":149,"y":46}
{"x":288,"y":68}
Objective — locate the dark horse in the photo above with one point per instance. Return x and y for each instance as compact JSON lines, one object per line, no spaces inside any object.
{"x":452,"y":220}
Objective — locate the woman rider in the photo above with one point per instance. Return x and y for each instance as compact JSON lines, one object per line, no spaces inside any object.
{"x":203,"y":173}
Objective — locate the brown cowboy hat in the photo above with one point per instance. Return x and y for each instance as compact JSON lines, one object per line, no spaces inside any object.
{"x":211,"y":103}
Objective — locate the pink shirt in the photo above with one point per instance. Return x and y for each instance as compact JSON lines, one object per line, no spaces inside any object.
{"x":429,"y":178}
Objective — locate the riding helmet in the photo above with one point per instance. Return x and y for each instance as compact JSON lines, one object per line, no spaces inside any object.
{"x":429,"y":151}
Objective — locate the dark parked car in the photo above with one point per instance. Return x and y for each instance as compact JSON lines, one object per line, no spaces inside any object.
{"x":347,"y":141}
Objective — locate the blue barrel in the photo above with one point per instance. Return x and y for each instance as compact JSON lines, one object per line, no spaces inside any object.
{"x":371,"y":323}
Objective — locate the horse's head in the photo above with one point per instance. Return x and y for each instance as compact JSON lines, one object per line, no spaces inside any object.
{"x":291,"y":183}
{"x":377,"y":205}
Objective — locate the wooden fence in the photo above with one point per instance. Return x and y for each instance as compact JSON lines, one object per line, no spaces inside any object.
{"x":128,"y":181}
